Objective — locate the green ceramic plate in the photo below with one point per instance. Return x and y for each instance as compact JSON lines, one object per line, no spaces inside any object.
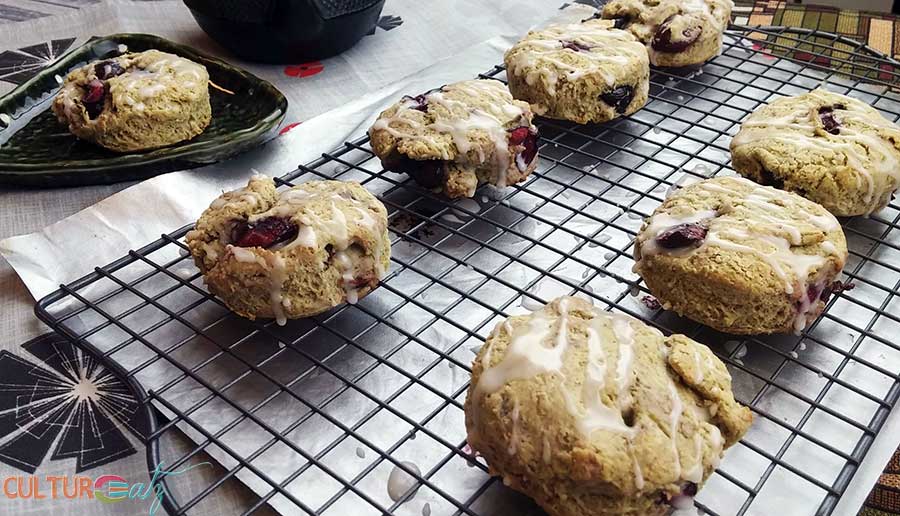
{"x":36,"y":150}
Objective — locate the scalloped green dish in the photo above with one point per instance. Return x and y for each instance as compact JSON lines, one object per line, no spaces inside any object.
{"x":37,"y":150}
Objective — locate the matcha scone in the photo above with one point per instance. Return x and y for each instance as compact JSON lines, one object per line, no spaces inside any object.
{"x":291,"y":253}
{"x":584,"y":72}
{"x":676,"y":32}
{"x":136,"y":101}
{"x":740,"y":257}
{"x":458,"y":137}
{"x":597,"y":414}
{"x":829,"y":148}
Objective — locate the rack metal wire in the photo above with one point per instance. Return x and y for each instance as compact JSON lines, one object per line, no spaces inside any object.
{"x":314,"y":416}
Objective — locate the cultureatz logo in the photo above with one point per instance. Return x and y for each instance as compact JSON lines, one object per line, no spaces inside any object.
{"x":105,"y":488}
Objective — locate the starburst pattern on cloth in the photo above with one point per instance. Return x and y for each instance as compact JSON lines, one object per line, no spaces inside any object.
{"x":17,"y":66}
{"x":75,"y":403}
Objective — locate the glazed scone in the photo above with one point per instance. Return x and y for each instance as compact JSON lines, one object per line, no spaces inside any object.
{"x":136,"y":101}
{"x":292,"y":253}
{"x":458,"y":137}
{"x":597,"y":414}
{"x":676,"y":32}
{"x":740,"y":257}
{"x":829,"y":148}
{"x":583,"y":72}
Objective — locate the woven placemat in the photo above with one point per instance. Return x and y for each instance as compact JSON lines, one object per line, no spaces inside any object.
{"x":885,"y":498}
{"x":878,"y":30}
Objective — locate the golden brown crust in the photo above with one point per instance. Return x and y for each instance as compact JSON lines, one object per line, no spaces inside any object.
{"x":340,"y":252}
{"x":644,"y":19}
{"x":537,"y":423}
{"x":851,"y":170}
{"x":762,"y":266}
{"x":462,"y":131}
{"x":160,"y":99}
{"x":565,"y":71}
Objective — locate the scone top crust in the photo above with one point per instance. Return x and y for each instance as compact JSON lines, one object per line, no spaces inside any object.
{"x":138,"y":81}
{"x":671,"y":26}
{"x":476,"y":124}
{"x":591,"y":49}
{"x":760,"y":240}
{"x":828,"y":147}
{"x":596,"y":413}
{"x":306,"y":248}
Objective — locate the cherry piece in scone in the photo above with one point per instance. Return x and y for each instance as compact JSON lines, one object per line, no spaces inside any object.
{"x":619,"y":98}
{"x":264,"y":233}
{"x":682,"y":235}
{"x":523,"y":136}
{"x":663,"y":42}
{"x":93,"y":98}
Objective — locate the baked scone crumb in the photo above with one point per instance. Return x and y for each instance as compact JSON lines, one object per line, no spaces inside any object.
{"x":740,"y":257}
{"x":293,"y":253}
{"x":458,"y":137}
{"x":830,"y":148}
{"x":584,"y":72}
{"x":136,"y":101}
{"x":593,"y":413}
{"x":676,"y":32}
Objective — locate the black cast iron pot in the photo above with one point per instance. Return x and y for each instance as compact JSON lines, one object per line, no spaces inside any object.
{"x":286,"y":31}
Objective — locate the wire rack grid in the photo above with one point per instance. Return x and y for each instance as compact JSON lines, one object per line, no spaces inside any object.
{"x":315,"y":416}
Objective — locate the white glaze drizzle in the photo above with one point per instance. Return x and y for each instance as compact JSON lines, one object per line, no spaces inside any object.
{"x":490,"y":119}
{"x":290,"y":203}
{"x":674,"y":422}
{"x":779,"y":231}
{"x":797,"y":130}
{"x":539,"y":56}
{"x":638,"y":472}
{"x":624,"y":334}
{"x":698,"y":375}
{"x":539,"y":346}
{"x":596,"y":414}
{"x":695,"y":472}
{"x":148,"y":74}
{"x":277,"y":275}
{"x":514,"y":433}
{"x":546,"y":450}
{"x":527,"y":356}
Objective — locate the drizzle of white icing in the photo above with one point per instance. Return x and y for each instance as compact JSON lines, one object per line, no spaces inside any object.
{"x":400,"y":482}
{"x":277,"y":275}
{"x":596,"y":414}
{"x":514,"y":434}
{"x":698,"y":376}
{"x":312,"y":229}
{"x":242,"y":255}
{"x":527,"y":356}
{"x":546,"y":450}
{"x":695,"y":472}
{"x":674,"y":422}
{"x":539,"y":345}
{"x":638,"y":472}
{"x":345,"y":265}
{"x":797,"y":130}
{"x":779,"y":232}
{"x":624,"y":334}
{"x":542,"y":56}
{"x":491,"y":118}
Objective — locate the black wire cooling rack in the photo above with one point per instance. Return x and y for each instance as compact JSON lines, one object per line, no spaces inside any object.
{"x":313,"y":417}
